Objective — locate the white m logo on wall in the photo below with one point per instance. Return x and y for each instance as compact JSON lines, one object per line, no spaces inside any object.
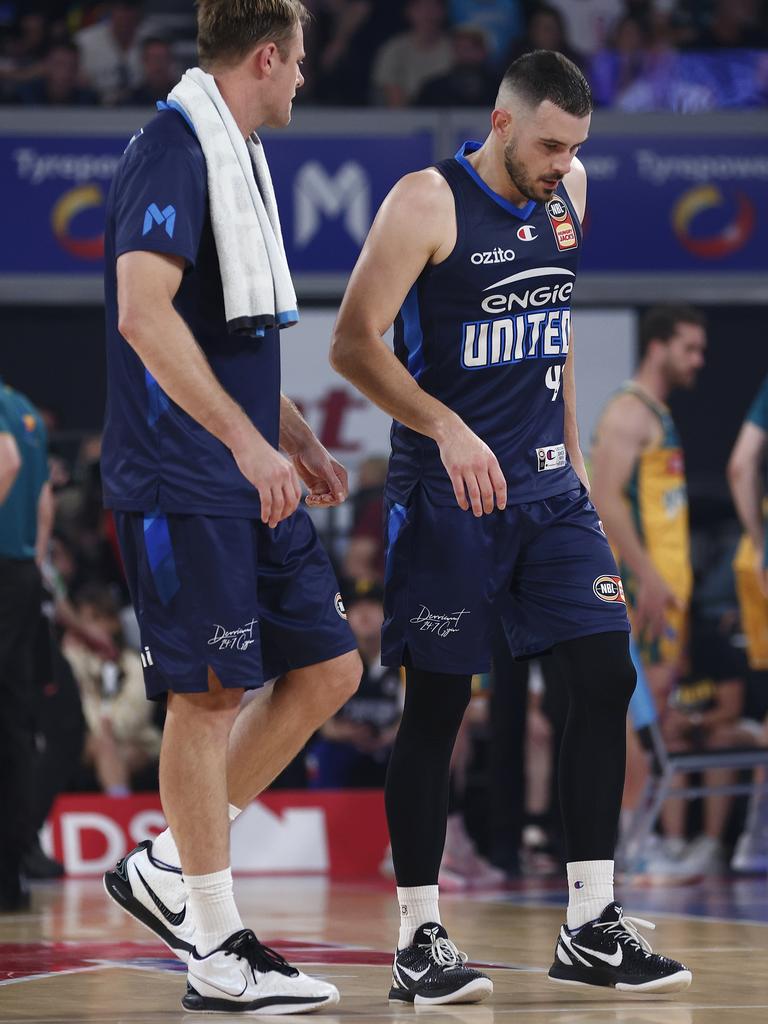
{"x":318,"y":194}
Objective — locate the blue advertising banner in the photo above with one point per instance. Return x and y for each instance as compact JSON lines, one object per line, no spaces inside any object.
{"x":328,"y":189}
{"x":658,"y":203}
{"x":667,"y":203}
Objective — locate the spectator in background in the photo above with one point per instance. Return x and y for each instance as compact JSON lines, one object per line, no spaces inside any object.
{"x":110,"y":51}
{"x":589,"y":24}
{"x":121,"y":738}
{"x":26,"y":516}
{"x":352,"y":749}
{"x":624,"y":62}
{"x":471,"y":82}
{"x":409,"y":59}
{"x":364,"y":557}
{"x":340,"y":73}
{"x":705,"y":713}
{"x":734,"y":24}
{"x":60,"y":84}
{"x":159,"y":74}
{"x":546,"y":31}
{"x":501,"y":21}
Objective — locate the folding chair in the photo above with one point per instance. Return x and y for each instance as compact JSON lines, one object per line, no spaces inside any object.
{"x":665,"y":767}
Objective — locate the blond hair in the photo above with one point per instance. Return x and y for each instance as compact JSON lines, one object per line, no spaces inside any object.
{"x":228,"y":29}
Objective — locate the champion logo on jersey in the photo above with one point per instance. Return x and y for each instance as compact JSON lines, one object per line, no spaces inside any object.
{"x":527,"y":233}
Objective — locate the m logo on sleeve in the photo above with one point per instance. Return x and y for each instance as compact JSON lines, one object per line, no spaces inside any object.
{"x":155,"y":215}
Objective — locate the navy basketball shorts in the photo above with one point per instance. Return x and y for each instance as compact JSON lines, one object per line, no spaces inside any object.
{"x":230,"y":594}
{"x":544,"y":569}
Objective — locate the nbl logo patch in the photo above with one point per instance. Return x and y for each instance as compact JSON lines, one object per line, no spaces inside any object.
{"x":609,"y":589}
{"x":562,"y":224}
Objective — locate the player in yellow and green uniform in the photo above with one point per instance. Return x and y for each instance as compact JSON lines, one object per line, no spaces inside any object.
{"x":638,"y":487}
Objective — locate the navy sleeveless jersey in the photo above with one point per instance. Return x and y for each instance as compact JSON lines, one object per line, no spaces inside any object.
{"x":486,"y":332}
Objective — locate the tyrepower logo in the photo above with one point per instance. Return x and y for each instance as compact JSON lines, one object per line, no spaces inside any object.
{"x":609,"y":589}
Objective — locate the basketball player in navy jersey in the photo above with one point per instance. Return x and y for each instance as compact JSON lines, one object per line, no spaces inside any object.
{"x":489,"y":515}
{"x":201,"y":463}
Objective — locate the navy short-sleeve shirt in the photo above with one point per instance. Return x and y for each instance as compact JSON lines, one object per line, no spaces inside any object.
{"x":155,"y":457}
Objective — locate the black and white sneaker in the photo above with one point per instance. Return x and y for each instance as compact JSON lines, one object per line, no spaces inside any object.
{"x":432,"y":970}
{"x":154,"y":894}
{"x":242,"y":976}
{"x":611,"y":952}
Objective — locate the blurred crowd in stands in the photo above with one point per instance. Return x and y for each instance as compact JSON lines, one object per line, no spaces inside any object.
{"x":640,"y":55}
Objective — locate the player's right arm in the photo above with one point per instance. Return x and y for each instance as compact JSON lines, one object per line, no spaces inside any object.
{"x":745,"y":477}
{"x":410,"y":230}
{"x":10,"y":462}
{"x":147,"y":283}
{"x":625,"y":429}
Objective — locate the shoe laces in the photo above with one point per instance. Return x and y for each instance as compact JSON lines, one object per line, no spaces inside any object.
{"x":259,"y":957}
{"x":444,"y":953}
{"x":626,"y":928}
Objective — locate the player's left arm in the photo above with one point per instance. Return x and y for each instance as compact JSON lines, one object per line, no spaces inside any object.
{"x":10,"y":462}
{"x":324,"y":476}
{"x":576,"y":186}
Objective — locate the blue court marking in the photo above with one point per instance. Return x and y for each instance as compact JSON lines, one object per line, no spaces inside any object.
{"x":413,"y":336}
{"x":395,"y":522}
{"x":521,"y":212}
{"x":157,"y":541}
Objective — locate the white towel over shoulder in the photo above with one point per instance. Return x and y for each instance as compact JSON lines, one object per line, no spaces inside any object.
{"x":258,"y":291}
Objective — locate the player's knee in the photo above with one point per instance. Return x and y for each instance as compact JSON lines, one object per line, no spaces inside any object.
{"x":343,"y":678}
{"x":601,"y":669}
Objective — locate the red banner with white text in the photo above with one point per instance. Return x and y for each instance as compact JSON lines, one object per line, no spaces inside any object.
{"x":339,"y":833}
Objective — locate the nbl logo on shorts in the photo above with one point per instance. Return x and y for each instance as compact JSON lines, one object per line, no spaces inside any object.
{"x":609,"y":589}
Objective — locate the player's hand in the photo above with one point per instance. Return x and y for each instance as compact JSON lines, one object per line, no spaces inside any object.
{"x":324,"y":476}
{"x":654,"y":600}
{"x":474,"y":471}
{"x":272,"y":475}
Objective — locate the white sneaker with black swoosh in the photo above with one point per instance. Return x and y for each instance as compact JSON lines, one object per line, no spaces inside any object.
{"x":610,"y":952}
{"x":153,"y":893}
{"x":243,"y":976}
{"x":433,"y":971}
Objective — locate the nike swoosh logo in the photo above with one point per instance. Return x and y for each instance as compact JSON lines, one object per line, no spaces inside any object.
{"x":170,"y":917}
{"x":415,"y":975}
{"x":226,"y":991}
{"x":614,"y":959}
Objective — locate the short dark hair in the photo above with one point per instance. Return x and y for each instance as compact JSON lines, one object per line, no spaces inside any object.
{"x":660,"y":323}
{"x":228,"y":29}
{"x":548,"y":75}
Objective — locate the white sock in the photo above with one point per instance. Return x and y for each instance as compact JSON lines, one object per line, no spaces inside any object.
{"x":418,"y":906}
{"x":590,"y":890}
{"x":164,"y":847}
{"x":211,"y":902}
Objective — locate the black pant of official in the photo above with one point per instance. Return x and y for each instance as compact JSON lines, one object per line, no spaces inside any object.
{"x":20,"y":596}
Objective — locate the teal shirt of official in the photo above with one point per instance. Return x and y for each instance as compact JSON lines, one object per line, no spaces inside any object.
{"x":18,"y":513}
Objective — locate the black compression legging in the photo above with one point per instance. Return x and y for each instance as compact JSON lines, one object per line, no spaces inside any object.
{"x":600,"y":678}
{"x":416,"y":791}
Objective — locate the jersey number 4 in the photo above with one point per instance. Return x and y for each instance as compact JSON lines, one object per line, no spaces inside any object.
{"x":553,"y":379}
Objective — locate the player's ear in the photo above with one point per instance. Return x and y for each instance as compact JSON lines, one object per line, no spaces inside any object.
{"x":501,"y":122}
{"x":263,"y":59}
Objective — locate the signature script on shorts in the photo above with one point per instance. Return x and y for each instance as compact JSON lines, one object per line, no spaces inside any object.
{"x":442,"y":625}
{"x":234,"y":639}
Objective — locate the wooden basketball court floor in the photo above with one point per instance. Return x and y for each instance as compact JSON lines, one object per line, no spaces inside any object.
{"x":78,"y":957}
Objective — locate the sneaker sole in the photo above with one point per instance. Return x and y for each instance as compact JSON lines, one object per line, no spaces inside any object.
{"x":120,"y":891}
{"x":474,"y":991}
{"x":193,"y":1002}
{"x":677,"y":982}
